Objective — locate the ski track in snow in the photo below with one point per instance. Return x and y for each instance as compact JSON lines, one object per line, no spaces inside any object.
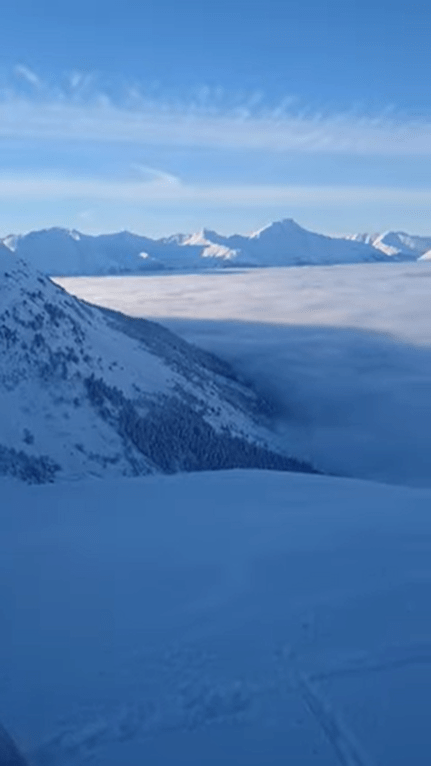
{"x":386,"y":659}
{"x":197,"y":701}
{"x":346,"y":746}
{"x":347,"y":750}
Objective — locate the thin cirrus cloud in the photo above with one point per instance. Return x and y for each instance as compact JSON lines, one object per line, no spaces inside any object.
{"x":78,"y":108}
{"x":28,"y":75}
{"x":81,"y":110}
{"x":155,"y":175}
{"x":165,"y":189}
{"x":161,"y":125}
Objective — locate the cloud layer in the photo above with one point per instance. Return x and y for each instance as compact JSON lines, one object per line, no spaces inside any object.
{"x":79,"y":109}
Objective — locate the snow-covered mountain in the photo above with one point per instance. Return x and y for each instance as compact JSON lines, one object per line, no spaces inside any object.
{"x":60,"y":252}
{"x":395,"y":244}
{"x":88,"y":391}
{"x":285,"y":243}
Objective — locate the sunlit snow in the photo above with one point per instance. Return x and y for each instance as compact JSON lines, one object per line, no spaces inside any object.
{"x":282,"y":243}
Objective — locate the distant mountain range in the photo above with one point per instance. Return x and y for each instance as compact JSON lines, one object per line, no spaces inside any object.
{"x":61,"y":252}
{"x":85,"y":391}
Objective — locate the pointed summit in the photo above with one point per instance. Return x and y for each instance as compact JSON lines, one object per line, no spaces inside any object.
{"x":285,"y":227}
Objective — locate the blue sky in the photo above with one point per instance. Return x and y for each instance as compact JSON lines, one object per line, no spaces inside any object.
{"x":162,"y":116}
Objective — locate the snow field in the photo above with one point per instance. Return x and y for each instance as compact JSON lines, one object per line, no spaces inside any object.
{"x":245,"y":617}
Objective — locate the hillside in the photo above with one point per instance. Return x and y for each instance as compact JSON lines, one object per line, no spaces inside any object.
{"x":89,"y":392}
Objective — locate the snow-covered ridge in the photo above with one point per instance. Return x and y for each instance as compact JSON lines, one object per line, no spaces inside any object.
{"x":87,"y":391}
{"x":398,"y":245}
{"x":60,"y":252}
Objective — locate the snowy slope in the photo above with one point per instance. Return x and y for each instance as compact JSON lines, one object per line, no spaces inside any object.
{"x":83,"y":391}
{"x":285,"y":243}
{"x":396,"y":244}
{"x":59,"y":252}
{"x":242,"y":618}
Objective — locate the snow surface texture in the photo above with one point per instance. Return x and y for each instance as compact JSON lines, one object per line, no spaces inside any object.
{"x":283,"y":243}
{"x":9,"y":755}
{"x":88,"y":392}
{"x":242,"y":618}
{"x":343,"y":351}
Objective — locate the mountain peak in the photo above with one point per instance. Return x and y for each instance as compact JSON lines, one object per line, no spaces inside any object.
{"x":285,"y":226}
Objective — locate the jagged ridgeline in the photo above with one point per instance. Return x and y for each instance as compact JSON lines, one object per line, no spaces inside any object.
{"x":61,"y":252}
{"x":85,"y":391}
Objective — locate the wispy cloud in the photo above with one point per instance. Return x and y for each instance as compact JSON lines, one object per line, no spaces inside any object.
{"x":163,"y":191}
{"x":154,"y":174}
{"x":28,"y":75}
{"x":83,"y":110}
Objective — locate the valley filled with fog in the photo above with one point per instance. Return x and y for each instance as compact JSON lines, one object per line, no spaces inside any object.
{"x":343,"y":352}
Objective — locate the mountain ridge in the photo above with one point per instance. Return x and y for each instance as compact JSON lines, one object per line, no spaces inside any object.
{"x":63,"y":252}
{"x":398,"y":245}
{"x":87,"y":391}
